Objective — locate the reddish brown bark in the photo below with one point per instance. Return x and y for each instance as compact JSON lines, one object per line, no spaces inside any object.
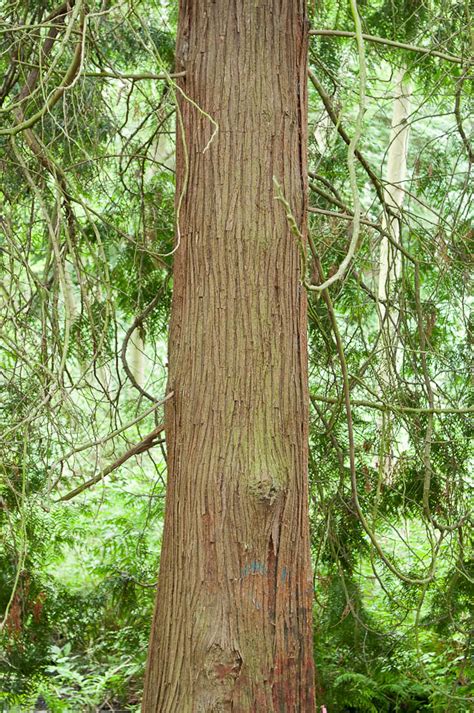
{"x":232,"y":630}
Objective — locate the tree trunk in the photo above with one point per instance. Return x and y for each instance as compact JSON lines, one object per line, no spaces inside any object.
{"x":394,"y":192}
{"x":232,"y":629}
{"x":137,"y":357}
{"x":390,"y":260}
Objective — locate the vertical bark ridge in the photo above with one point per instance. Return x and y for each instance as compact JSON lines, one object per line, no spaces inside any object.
{"x":232,"y":626}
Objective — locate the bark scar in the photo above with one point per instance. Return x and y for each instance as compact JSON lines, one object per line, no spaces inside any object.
{"x":222,"y":668}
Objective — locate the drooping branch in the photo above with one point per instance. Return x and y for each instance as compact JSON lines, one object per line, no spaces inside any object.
{"x":67,"y":82}
{"x":144,"y":445}
{"x":136,"y":324}
{"x":135,"y":77}
{"x":395,"y":408}
{"x":390,"y":43}
{"x":350,"y":432}
{"x":328,"y":105}
{"x":457,"y":114}
{"x":118,"y":431}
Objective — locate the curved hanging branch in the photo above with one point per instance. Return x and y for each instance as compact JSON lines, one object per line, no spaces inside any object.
{"x":137,"y":322}
{"x":350,"y":431}
{"x":70,"y":78}
{"x":457,"y":114}
{"x":144,"y":445}
{"x":391,"y":43}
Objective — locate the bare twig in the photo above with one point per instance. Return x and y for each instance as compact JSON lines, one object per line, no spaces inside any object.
{"x":390,"y":43}
{"x":148,"y":442}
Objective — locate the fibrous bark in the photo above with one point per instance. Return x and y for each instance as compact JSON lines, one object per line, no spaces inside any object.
{"x":232,"y":629}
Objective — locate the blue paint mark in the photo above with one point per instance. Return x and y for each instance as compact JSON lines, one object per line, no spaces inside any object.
{"x":254,"y":568}
{"x":284,"y":574}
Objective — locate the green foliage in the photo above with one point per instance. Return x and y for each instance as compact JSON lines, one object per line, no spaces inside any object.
{"x":77,"y":634}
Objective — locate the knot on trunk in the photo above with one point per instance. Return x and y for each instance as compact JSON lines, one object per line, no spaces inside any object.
{"x":216,"y":684}
{"x":266,"y":488}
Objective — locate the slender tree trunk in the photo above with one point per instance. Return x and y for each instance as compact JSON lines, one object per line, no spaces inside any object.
{"x":232,"y":630}
{"x":394,"y":193}
{"x":390,"y":258}
{"x":137,"y":357}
